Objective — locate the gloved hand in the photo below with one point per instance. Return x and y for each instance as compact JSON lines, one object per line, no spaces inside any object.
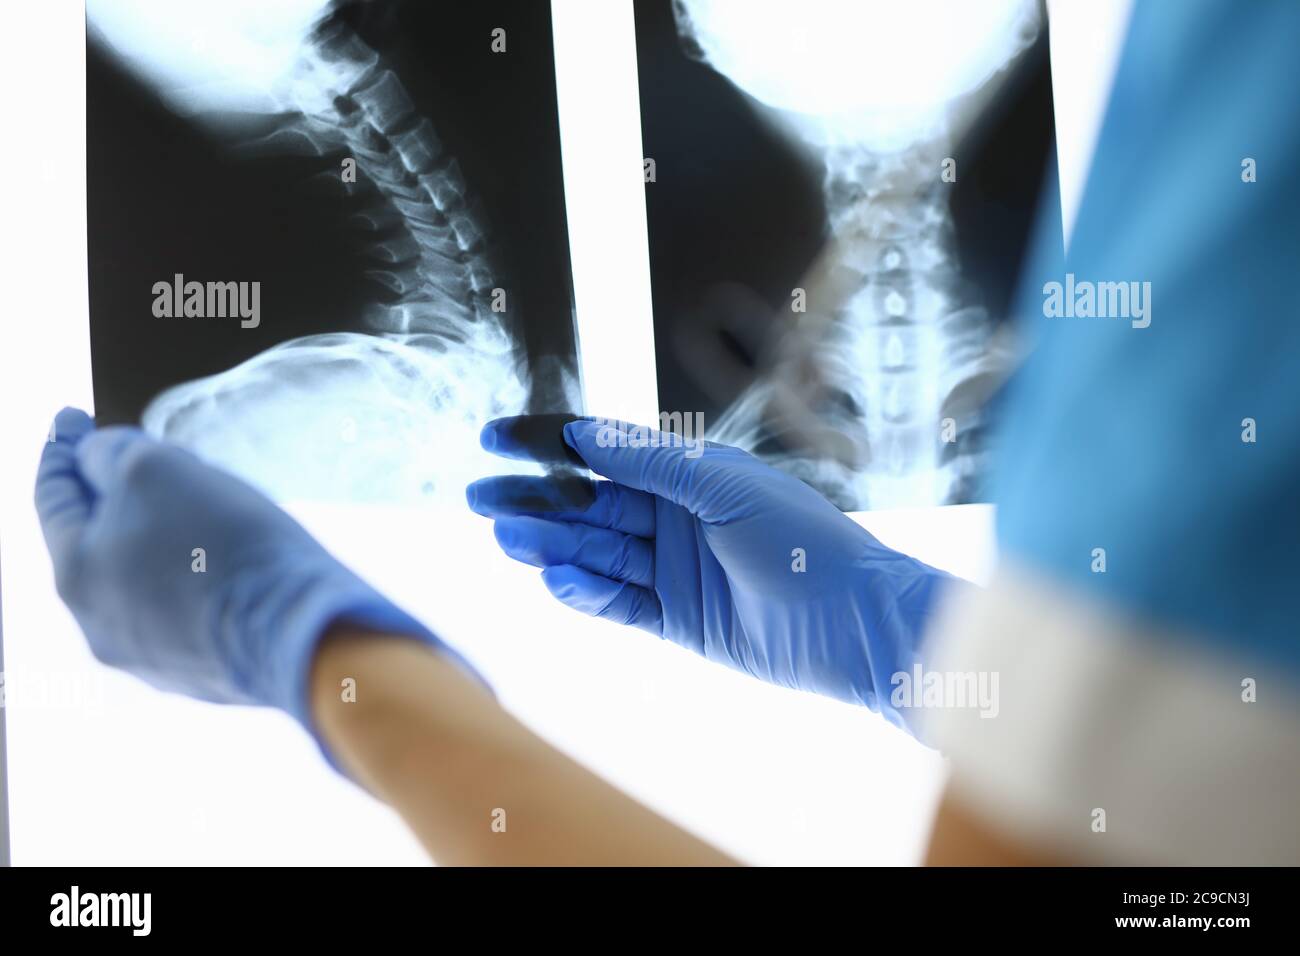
{"x":237,"y":622}
{"x":717,"y":552}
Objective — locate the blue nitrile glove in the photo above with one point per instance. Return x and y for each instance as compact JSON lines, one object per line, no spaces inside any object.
{"x":238,"y":621}
{"x":720,"y":553}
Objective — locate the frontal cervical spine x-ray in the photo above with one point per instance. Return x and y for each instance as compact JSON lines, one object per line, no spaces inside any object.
{"x":400,"y":309}
{"x":871,"y":383}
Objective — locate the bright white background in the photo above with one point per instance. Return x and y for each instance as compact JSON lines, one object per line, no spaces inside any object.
{"x":103,"y":770}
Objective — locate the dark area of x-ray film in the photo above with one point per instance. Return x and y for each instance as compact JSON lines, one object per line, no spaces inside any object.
{"x":876,"y":387}
{"x":327,"y":241}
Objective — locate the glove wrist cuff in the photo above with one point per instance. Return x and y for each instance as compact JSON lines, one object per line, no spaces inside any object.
{"x":280,"y":625}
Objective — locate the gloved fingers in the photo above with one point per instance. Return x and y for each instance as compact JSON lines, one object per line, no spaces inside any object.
{"x":537,"y":438}
{"x":63,"y":500}
{"x":545,"y":544}
{"x":550,"y":495}
{"x":602,"y":504}
{"x":598,"y":596}
{"x":659,"y":463}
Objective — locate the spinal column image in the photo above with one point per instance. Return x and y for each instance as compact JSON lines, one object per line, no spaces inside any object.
{"x":327,"y":241}
{"x":839,"y":195}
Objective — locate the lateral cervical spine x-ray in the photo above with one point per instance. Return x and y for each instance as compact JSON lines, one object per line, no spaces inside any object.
{"x":830,"y":299}
{"x":327,"y":335}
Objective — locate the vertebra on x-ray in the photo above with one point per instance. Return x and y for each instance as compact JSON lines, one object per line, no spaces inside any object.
{"x":403,"y":356}
{"x":809,"y":143}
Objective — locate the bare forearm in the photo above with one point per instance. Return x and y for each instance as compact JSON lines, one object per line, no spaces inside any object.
{"x":475,"y":785}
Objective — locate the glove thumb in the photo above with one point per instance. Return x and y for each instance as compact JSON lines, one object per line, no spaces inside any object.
{"x":106,"y":455}
{"x":647,"y":460}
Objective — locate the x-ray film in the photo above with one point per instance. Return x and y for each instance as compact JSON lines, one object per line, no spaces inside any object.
{"x":327,"y":240}
{"x":839,"y":197}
